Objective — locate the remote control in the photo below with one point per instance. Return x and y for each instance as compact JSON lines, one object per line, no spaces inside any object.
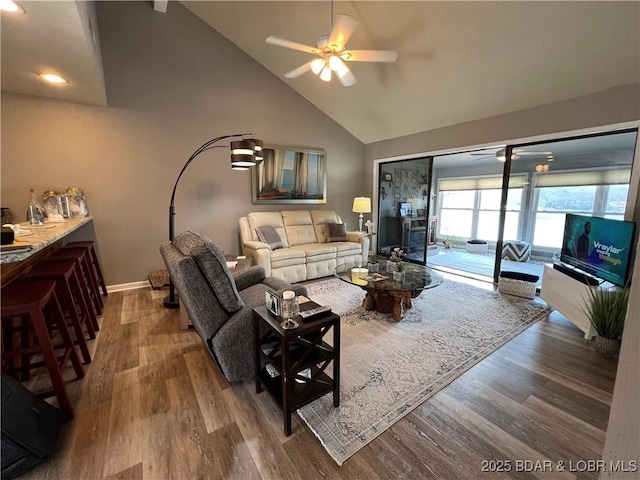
{"x":314,"y":312}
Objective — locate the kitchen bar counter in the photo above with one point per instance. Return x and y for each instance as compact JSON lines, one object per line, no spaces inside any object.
{"x":37,"y":245}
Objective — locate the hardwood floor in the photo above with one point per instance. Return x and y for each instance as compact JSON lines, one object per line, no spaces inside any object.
{"x":154,"y":406}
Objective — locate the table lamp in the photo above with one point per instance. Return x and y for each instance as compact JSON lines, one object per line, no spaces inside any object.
{"x":361,"y":205}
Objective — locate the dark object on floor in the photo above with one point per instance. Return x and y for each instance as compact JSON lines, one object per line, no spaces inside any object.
{"x":159,"y":279}
{"x":519,"y":276}
{"x":475,"y":241}
{"x":30,"y":428}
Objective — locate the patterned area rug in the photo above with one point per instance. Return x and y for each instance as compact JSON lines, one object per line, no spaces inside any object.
{"x":388,"y":369}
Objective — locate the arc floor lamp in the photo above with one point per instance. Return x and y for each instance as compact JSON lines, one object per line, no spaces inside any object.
{"x":246,"y":152}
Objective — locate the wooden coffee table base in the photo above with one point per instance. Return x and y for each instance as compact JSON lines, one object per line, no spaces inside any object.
{"x":385,"y":301}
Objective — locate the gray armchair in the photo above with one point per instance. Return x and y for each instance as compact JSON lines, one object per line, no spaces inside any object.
{"x":220,"y":304}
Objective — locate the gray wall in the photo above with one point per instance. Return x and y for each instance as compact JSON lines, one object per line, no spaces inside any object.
{"x":607,"y":108}
{"x":172,"y":84}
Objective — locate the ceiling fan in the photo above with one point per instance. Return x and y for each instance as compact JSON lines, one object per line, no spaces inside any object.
{"x":516,"y":153}
{"x":332,"y":52}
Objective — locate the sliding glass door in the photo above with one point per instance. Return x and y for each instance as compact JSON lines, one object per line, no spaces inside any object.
{"x":446,"y":211}
{"x":586,"y":175}
{"x":403,"y":204}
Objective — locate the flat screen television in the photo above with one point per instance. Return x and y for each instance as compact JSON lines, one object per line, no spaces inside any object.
{"x":598,"y":246}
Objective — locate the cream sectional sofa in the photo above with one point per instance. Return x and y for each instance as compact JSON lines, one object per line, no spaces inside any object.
{"x":306,"y":254}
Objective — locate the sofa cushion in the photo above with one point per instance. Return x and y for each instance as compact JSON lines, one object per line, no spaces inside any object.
{"x":273,"y":219}
{"x":315,"y":252}
{"x":336,"y":232}
{"x":299,"y":227}
{"x":347,"y":248}
{"x":269,"y":235}
{"x":212,"y":263}
{"x":320,"y":218}
{"x":287,"y":256}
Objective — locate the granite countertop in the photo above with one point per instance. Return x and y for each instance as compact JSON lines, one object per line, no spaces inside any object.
{"x":42,"y":237}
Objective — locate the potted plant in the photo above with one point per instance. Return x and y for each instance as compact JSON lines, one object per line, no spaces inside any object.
{"x":397,"y":255}
{"x":607,"y":309}
{"x":448,"y":238}
{"x":398,"y":274}
{"x":373,"y":264}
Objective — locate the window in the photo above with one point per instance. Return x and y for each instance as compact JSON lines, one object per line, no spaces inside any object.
{"x":553,"y":203}
{"x":470,"y":207}
{"x":456,"y":214}
{"x":595,"y":192}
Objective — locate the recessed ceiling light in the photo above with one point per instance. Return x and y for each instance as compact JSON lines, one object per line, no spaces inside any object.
{"x":52,"y":78}
{"x":11,"y":6}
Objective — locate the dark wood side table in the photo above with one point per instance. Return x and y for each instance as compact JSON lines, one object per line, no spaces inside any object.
{"x":291,"y":353}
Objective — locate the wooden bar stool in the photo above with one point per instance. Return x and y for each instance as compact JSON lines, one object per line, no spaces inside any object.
{"x":94,"y":260}
{"x":69,"y":292}
{"x":84,"y":295}
{"x":38,"y":302}
{"x":80,"y":255}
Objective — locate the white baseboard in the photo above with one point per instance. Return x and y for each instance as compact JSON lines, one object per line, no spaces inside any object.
{"x":128,"y":286}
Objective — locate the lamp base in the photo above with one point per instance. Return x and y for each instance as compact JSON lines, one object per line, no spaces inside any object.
{"x":169,"y":303}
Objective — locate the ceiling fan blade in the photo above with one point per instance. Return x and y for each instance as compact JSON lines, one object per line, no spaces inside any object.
{"x":301,"y":70}
{"x":343,"y":28}
{"x":387,"y":56}
{"x":523,"y":152}
{"x":348,"y":79}
{"x":281,"y":42}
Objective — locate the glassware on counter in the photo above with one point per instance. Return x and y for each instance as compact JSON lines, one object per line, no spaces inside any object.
{"x":65,"y":204}
{"x":35,"y":212}
{"x":78,"y":201}
{"x":51,"y":202}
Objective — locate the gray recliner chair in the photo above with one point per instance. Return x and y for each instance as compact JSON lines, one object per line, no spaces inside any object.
{"x":220,"y":304}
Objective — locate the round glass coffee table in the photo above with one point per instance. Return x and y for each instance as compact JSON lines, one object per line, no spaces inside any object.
{"x":386,"y":295}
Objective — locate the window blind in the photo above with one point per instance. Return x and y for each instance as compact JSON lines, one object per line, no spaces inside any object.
{"x":478,"y":183}
{"x":620,"y":176}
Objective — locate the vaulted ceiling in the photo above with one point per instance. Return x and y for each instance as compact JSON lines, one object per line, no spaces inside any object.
{"x":458,"y":61}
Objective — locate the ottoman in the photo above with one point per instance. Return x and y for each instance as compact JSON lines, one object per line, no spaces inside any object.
{"x":518,"y":284}
{"x":477,"y":246}
{"x":516,"y":251}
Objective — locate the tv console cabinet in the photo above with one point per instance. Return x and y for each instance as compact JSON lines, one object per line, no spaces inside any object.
{"x":567,"y":296}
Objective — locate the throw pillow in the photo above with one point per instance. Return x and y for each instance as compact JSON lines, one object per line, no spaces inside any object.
{"x":336,"y":232}
{"x":212,"y":263}
{"x":269,"y":236}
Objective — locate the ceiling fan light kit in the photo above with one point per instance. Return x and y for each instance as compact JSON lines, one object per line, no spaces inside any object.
{"x":332,"y":53}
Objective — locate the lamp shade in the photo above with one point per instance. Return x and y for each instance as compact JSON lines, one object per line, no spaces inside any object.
{"x":362,"y":205}
{"x":243,"y":147}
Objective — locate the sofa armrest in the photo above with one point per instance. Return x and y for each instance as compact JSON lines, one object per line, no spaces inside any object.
{"x":363,"y":239}
{"x":260,"y":252}
{"x":356,"y":236}
{"x":256,"y":245}
{"x":248,"y":277}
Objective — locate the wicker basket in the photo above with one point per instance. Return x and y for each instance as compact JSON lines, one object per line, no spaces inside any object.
{"x":519,"y":288}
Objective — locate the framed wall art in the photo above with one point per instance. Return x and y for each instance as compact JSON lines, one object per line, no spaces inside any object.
{"x":290,"y":175}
